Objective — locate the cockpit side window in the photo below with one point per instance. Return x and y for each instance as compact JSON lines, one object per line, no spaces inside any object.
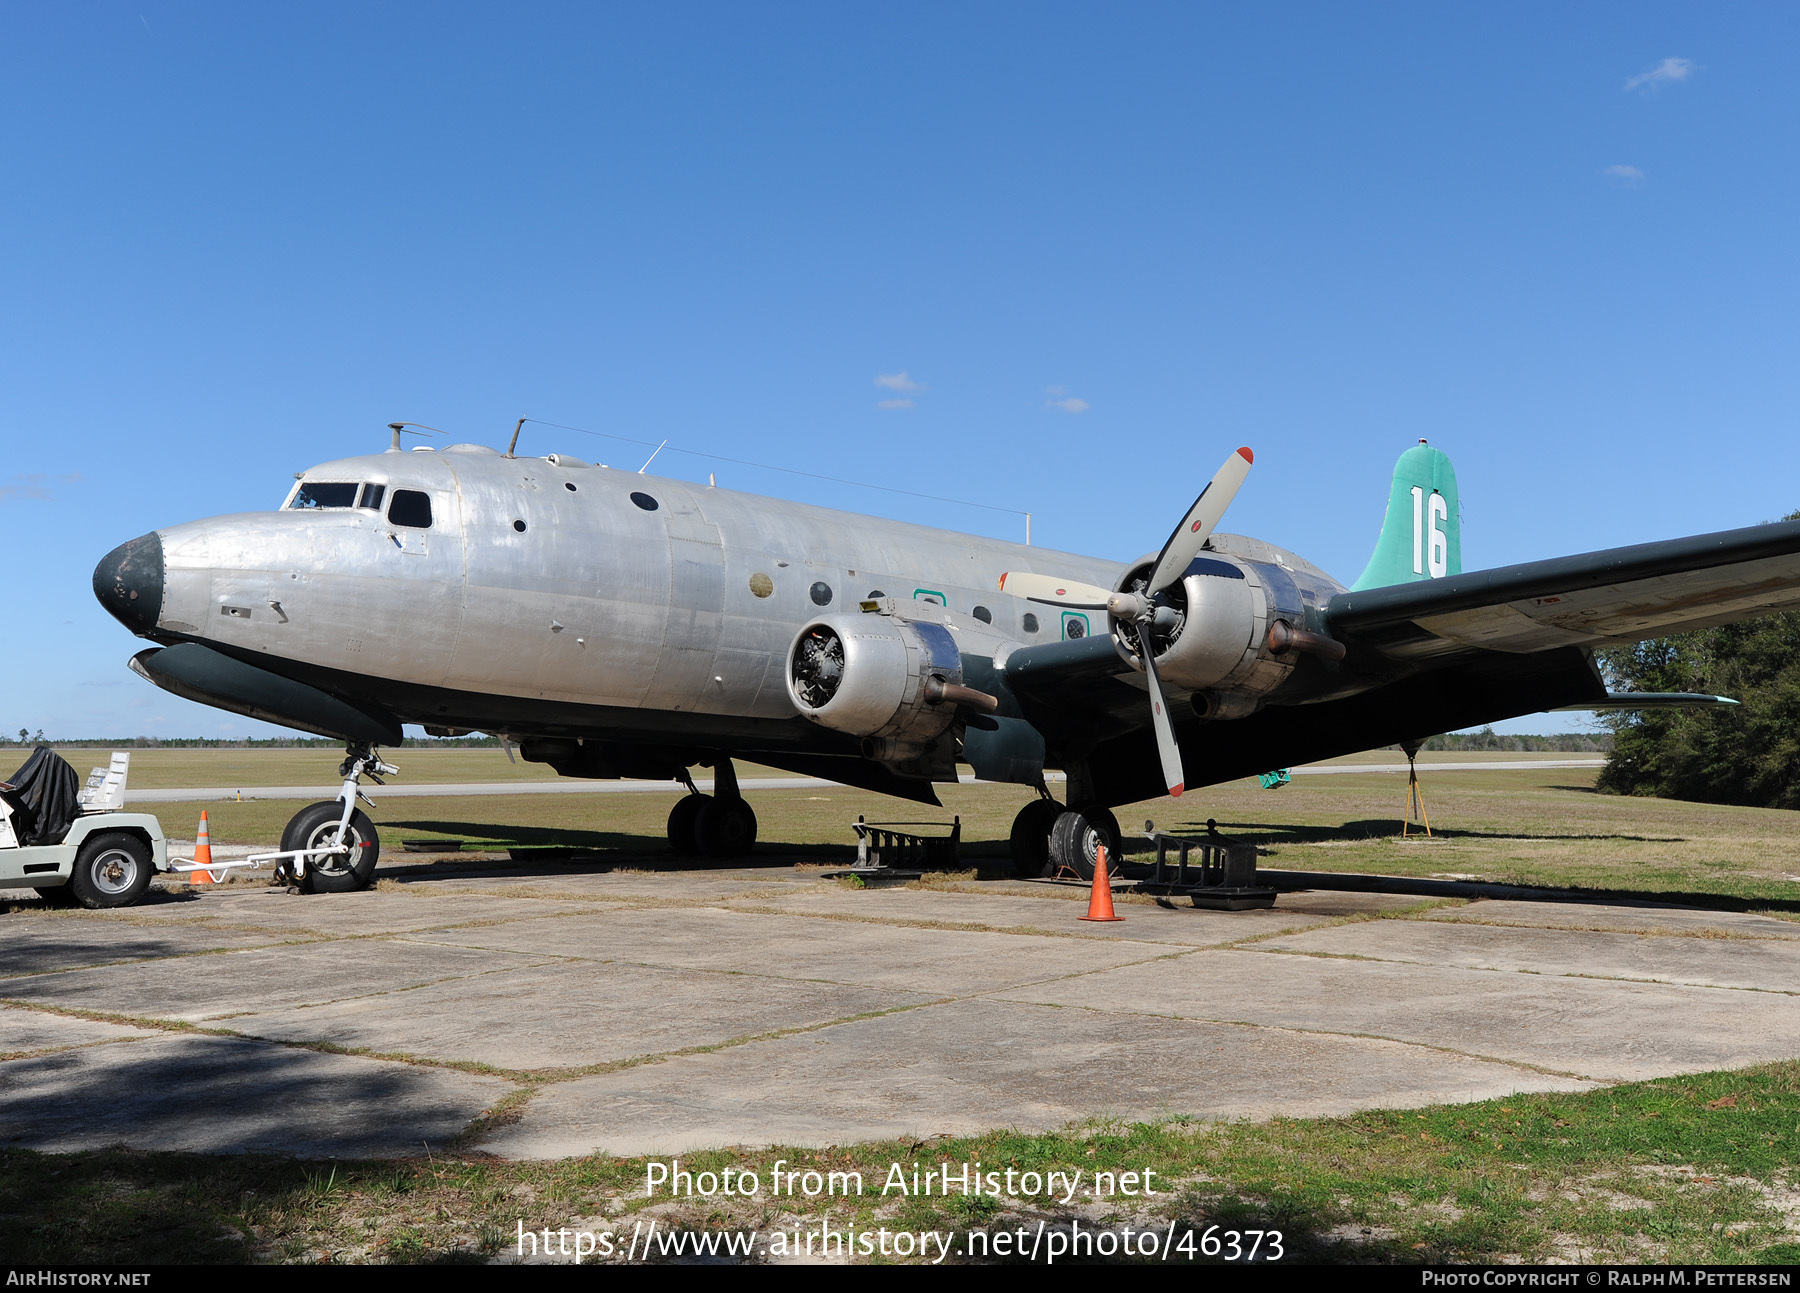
{"x":371,"y":496}
{"x":410,"y":508}
{"x":316,"y":494}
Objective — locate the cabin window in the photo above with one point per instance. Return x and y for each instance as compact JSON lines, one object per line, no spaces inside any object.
{"x":983,"y":614}
{"x":821,"y":594}
{"x":1028,"y":622}
{"x":372,"y":495}
{"x":569,"y":485}
{"x":644,"y":501}
{"x":874,"y":593}
{"x":410,"y":508}
{"x":317,"y":494}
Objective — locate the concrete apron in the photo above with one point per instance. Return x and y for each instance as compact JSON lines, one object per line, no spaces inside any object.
{"x":758,"y":1006}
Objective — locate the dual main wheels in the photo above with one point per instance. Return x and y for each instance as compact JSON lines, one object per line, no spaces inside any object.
{"x":1047,"y":838}
{"x":316,"y":827}
{"x":706,"y":826}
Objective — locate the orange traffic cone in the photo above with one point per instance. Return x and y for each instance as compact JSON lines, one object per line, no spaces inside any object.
{"x":1100,"y":903}
{"x":202,"y":855}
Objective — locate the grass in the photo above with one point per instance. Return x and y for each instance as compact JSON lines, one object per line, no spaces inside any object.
{"x":1696,"y":1169}
{"x":1535,"y":826}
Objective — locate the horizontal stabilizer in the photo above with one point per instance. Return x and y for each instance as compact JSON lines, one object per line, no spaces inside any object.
{"x":1605,"y":598}
{"x":1650,"y":700}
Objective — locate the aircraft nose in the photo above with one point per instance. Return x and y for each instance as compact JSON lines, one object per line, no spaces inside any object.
{"x":129,"y":583}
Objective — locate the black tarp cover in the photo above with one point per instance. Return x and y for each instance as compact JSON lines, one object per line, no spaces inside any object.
{"x":47,"y":790}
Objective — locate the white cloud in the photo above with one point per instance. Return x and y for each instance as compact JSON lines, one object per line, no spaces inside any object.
{"x":1667,"y":72}
{"x":893,"y":404}
{"x":897,"y":382}
{"x":35,"y":485}
{"x":1623,"y":174}
{"x":1068,"y":403}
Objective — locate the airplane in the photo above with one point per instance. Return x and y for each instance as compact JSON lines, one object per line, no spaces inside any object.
{"x":614,"y":624}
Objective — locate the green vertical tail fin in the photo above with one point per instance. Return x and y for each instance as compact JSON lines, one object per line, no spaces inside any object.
{"x":1422,"y":535}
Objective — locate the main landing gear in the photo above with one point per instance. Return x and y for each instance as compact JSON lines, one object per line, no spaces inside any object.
{"x":720,"y":825}
{"x":1048,"y":839}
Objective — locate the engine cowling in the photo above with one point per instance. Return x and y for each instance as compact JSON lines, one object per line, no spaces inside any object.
{"x":1212,"y":635}
{"x":893,"y":683}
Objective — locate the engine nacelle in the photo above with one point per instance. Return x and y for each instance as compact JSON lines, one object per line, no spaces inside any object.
{"x":893,"y":683}
{"x":1213,"y":634}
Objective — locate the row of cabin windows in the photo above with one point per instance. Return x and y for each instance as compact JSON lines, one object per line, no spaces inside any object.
{"x":412,"y":508}
{"x":1027,"y":621}
{"x":408,"y":507}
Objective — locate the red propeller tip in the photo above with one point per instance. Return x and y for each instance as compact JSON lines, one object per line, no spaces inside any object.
{"x":1245,"y":454}
{"x":1175,"y":791}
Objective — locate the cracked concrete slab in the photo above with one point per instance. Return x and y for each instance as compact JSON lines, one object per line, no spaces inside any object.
{"x":1632,"y":918}
{"x":1059,"y":910}
{"x":1056,"y":913}
{"x":200,"y":988}
{"x":35,"y":1030}
{"x":371,"y":912}
{"x":579,"y":882}
{"x":1605,"y":1029}
{"x":33,"y":944}
{"x":222,"y":1095}
{"x":970,"y":1066}
{"x":542,"y":967}
{"x":1767,"y":964}
{"x":559,"y":1016}
{"x":939,"y":962}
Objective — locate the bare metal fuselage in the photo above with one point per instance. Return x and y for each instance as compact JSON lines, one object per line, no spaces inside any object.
{"x":553,"y":598}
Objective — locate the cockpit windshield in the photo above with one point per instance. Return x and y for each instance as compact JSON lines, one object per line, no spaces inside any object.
{"x":315,"y":495}
{"x":323,"y":493}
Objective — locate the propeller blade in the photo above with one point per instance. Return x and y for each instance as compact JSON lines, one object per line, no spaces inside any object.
{"x":1052,"y":591}
{"x":1197,"y":526}
{"x":1166,"y":747}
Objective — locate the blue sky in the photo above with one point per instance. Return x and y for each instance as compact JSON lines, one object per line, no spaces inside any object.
{"x":1103,"y":244}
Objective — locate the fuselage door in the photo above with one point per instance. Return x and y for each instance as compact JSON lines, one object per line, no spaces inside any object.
{"x":696,"y":604}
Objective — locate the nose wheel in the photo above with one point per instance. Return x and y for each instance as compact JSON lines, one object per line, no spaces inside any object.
{"x":350,"y":864}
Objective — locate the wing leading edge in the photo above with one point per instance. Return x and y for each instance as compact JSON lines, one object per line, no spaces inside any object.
{"x":1596,"y":599}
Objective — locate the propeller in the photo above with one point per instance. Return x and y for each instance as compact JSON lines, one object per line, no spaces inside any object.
{"x":1171,"y":564}
{"x":1053,"y":591}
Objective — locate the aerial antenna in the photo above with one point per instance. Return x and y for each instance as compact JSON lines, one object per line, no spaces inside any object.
{"x":400,"y":428}
{"x":515,"y":439}
{"x":651,"y":458}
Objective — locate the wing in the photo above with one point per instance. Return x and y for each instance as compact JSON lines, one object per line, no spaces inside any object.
{"x":1596,"y":599}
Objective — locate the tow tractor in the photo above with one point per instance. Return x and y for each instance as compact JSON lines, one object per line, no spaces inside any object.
{"x":82,"y":848}
{"x":76,"y":846}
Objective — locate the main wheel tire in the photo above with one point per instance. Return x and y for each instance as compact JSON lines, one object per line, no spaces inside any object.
{"x":111,"y":870}
{"x":681,"y":824}
{"x":1077,"y":837}
{"x":315,"y":826}
{"x":1030,"y":840}
{"x":725,"y":828}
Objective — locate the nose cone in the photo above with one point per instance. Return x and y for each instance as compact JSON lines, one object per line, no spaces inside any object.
{"x":129,"y":583}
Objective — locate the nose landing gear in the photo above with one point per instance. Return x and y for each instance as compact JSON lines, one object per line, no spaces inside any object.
{"x":332,"y":846}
